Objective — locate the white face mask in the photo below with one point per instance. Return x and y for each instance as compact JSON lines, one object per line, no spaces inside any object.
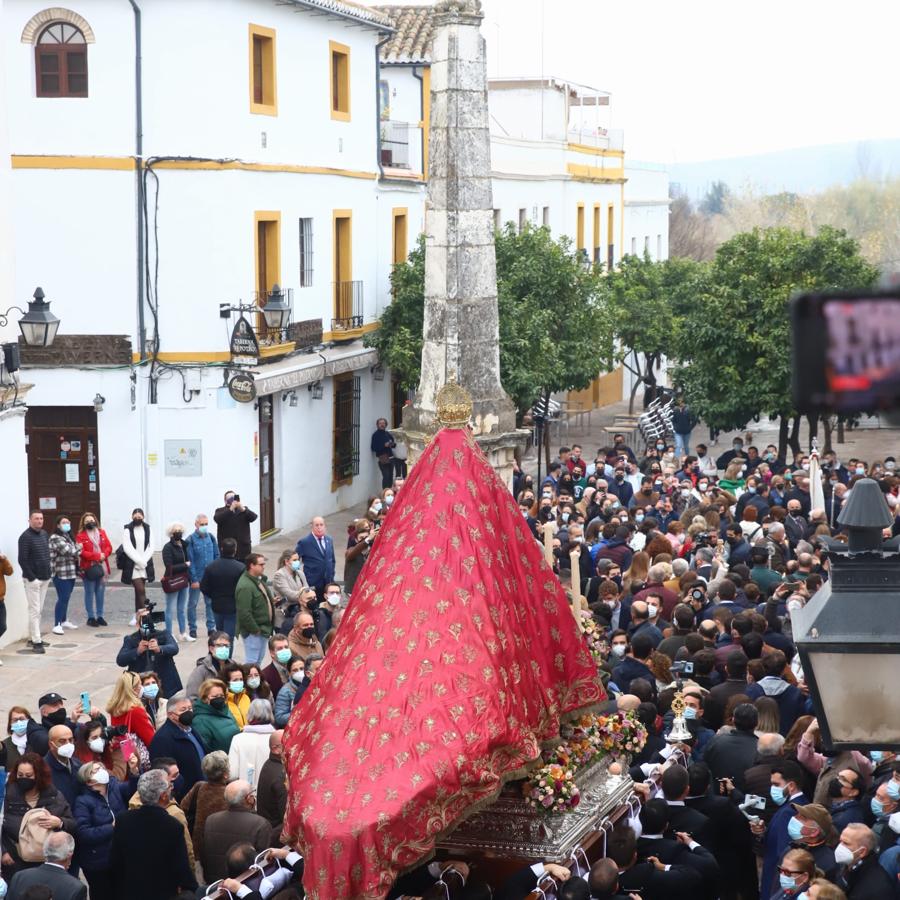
{"x":97,"y":745}
{"x":618,"y":650}
{"x":652,"y":609}
{"x":101,"y":776}
{"x":66,"y":751}
{"x":333,"y":599}
{"x":843,"y":855}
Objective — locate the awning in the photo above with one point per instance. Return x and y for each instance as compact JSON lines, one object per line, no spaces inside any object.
{"x":306,"y":368}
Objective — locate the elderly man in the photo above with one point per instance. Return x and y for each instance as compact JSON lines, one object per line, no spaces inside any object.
{"x":203,"y":549}
{"x":302,"y":639}
{"x":148,"y":857}
{"x":861,"y":877}
{"x":63,"y":763}
{"x":795,"y":525}
{"x":239,"y":822}
{"x":59,"y":848}
{"x":271,"y":790}
{"x":177,"y":740}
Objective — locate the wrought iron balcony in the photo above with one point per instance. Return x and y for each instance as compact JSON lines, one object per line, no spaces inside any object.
{"x":348,"y":306}
{"x":276,"y":310}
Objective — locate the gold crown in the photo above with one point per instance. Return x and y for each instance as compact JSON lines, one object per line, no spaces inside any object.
{"x":454,"y":406}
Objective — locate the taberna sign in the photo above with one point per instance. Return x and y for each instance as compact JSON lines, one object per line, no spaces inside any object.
{"x":243,"y":340}
{"x":242,"y":387}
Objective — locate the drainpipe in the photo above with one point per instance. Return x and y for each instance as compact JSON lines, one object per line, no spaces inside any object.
{"x":421,"y":80}
{"x":378,"y":47}
{"x":139,"y":174}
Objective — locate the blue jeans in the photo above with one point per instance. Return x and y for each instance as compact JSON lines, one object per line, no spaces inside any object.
{"x":682,"y":442}
{"x":227,"y":622}
{"x":94,"y":593}
{"x":180,"y":598}
{"x":254,"y":648}
{"x":64,"y":588}
{"x":193,"y":600}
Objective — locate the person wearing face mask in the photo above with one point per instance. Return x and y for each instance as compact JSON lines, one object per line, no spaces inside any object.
{"x":151,"y":649}
{"x":289,"y":581}
{"x":302,"y":640}
{"x":313,"y":664}
{"x":213,"y":721}
{"x":882,"y":805}
{"x":250,"y":749}
{"x":63,"y":763}
{"x":177,"y":581}
{"x":861,"y":877}
{"x":795,"y":874}
{"x":92,"y":746}
{"x":24,"y":735}
{"x":786,"y":792}
{"x":64,"y":558}
{"x":103,"y":799}
{"x":134,"y":557}
{"x":30,"y":786}
{"x":202,"y":549}
{"x":152,"y":698}
{"x":285,"y":699}
{"x":177,"y":740}
{"x":94,"y":567}
{"x":736,"y":452}
{"x":811,"y":829}
{"x":238,"y":699}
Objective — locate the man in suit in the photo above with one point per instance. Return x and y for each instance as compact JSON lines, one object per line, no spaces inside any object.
{"x":145,"y":835}
{"x":317,"y":552}
{"x":675,"y":784}
{"x":177,"y":740}
{"x":59,"y":848}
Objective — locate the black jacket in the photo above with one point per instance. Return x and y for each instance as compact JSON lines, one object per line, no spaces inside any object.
{"x":868,"y":881}
{"x":231,"y":524}
{"x":271,"y":794}
{"x":163,"y":663}
{"x":679,"y":883}
{"x":149,"y":836}
{"x":220,"y":578}
{"x":170,"y":740}
{"x":730,"y":755}
{"x":176,"y":559}
{"x":34,"y":555}
{"x":698,"y":826}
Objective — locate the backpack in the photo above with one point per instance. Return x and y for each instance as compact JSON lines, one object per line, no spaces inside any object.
{"x":32,"y":836}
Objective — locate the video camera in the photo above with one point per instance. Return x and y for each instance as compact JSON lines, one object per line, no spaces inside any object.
{"x":150,"y":622}
{"x":682,"y":667}
{"x":113,"y":731}
{"x":846,"y":349}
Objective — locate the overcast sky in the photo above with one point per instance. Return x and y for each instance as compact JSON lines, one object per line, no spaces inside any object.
{"x":704,"y":79}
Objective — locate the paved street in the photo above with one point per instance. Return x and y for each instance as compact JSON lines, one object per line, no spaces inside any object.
{"x":84,"y":660}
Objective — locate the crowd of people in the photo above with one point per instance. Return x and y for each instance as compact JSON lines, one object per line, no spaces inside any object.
{"x":690,"y":566}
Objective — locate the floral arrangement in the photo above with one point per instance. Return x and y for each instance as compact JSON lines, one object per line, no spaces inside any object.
{"x":619,"y":732}
{"x":552,"y":789}
{"x":593,"y":634}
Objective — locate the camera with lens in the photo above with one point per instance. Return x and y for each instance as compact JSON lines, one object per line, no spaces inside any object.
{"x":151,"y":621}
{"x":682,"y":667}
{"x":113,"y":731}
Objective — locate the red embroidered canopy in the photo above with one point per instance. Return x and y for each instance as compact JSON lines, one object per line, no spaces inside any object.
{"x":458,"y":655}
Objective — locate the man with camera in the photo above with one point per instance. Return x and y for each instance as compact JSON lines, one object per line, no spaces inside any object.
{"x":151,"y":649}
{"x":233,"y":520}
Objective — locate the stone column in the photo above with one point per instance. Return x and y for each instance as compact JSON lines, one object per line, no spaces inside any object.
{"x":461,"y":330}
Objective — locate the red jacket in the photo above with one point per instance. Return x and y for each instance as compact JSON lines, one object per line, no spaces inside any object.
{"x":89,"y":554}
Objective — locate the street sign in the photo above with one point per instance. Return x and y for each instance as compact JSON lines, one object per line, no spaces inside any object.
{"x":243,"y":341}
{"x":242,"y":387}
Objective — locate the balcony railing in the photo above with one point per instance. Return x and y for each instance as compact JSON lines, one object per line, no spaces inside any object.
{"x":395,"y":144}
{"x":264,"y":334}
{"x":348,"y":306}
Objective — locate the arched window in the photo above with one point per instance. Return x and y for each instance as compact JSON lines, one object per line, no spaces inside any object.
{"x":60,"y":57}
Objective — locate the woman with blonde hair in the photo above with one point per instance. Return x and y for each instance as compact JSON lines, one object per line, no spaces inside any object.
{"x":635,"y":576}
{"x":176,"y":583}
{"x":769,"y":716}
{"x":125,"y":707}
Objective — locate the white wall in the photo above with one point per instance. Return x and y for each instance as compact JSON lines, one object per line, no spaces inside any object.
{"x":406,"y":106}
{"x":14,"y":466}
{"x":7,"y":280}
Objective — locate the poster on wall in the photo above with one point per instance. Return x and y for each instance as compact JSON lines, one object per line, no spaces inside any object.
{"x":47,"y":502}
{"x":71,"y":473}
{"x":183,"y":459}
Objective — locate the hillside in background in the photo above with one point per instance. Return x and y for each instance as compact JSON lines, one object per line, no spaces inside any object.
{"x":804,"y":170}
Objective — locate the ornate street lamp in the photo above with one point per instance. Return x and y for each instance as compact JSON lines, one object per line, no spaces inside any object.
{"x":848,"y":634}
{"x":38,"y":325}
{"x":277,"y":312}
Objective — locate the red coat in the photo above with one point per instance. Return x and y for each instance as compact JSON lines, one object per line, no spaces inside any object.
{"x":89,"y":554}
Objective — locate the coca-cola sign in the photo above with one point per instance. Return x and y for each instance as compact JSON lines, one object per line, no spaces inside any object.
{"x":242,"y":387}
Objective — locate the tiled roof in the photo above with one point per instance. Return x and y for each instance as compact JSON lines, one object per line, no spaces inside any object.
{"x":368,"y":14}
{"x":411,"y":42}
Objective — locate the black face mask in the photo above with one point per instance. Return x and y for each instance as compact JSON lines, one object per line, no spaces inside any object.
{"x":90,"y":526}
{"x":27,"y":784}
{"x":215,"y":703}
{"x":186,"y":717}
{"x":56,"y":718}
{"x":307,"y":632}
{"x":834,"y":789}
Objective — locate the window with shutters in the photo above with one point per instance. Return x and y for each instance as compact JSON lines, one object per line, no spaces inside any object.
{"x":345,"y":452}
{"x":306,"y":252}
{"x":60,"y":56}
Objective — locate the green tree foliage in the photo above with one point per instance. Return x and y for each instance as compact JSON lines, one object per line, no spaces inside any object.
{"x":735,"y":344}
{"x":713,"y":204}
{"x":646,"y":302}
{"x":554,"y":332}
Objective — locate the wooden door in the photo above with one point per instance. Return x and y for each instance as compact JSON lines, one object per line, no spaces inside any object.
{"x":63,"y":461}
{"x":266,"y":466}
